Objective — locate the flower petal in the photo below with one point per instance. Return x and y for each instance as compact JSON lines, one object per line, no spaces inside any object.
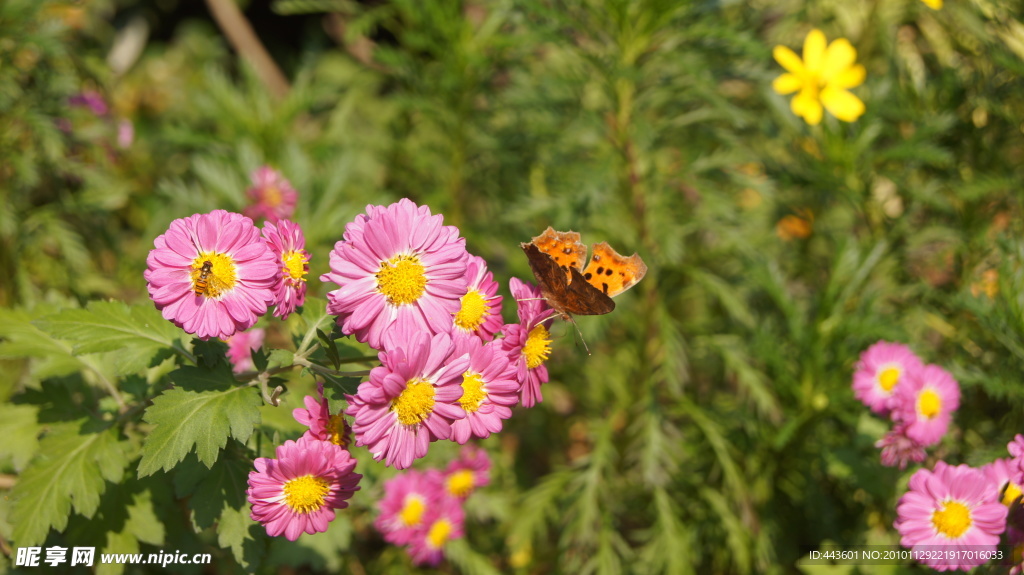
{"x":842,"y":104}
{"x":839,"y":57}
{"x":787,"y":84}
{"x":788,"y":59}
{"x":814,"y":50}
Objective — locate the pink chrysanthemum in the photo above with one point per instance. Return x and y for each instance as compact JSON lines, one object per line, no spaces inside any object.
{"x":211,"y":274}
{"x":898,"y":449}
{"x":397,"y":266}
{"x":286,"y":240}
{"x":273,"y":197}
{"x":466,"y":474}
{"x":409,"y":400}
{"x":489,"y":389}
{"x":407,"y":498}
{"x":240,"y":348}
{"x":443,"y":523}
{"x":1016,"y":450}
{"x":322,"y":424}
{"x":925,"y":404}
{"x":947,"y":508}
{"x":528,"y":343}
{"x":1006,"y":480}
{"x":480,"y":308}
{"x":299,"y":491}
{"x":879,"y":371}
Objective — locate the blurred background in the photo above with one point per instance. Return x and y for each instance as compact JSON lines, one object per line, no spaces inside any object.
{"x":713,"y":428}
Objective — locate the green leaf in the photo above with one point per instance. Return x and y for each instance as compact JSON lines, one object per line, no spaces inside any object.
{"x":23,"y":339}
{"x":111,"y":326}
{"x":136,"y":333}
{"x":204,"y":409}
{"x":72,"y":470}
{"x":20,"y":429}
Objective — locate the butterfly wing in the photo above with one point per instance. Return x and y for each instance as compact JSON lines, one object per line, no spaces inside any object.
{"x":575,"y":297}
{"x":565,"y":248}
{"x":611,"y":273}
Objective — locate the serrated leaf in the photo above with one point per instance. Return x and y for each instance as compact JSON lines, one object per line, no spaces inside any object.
{"x":20,"y":429}
{"x":72,"y":470}
{"x":23,"y":339}
{"x":110,"y":326}
{"x":203,"y":411}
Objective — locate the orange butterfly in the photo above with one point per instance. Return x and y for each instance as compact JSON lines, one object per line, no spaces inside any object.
{"x":556,"y":259}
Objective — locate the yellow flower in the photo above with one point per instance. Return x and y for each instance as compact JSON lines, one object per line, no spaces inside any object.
{"x":822,"y":78}
{"x":933,"y":4}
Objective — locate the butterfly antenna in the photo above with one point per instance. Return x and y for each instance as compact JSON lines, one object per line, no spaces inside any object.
{"x":582,"y":340}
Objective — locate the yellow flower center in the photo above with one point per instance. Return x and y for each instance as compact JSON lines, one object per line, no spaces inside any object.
{"x":952,"y":520}
{"x":337,"y":431}
{"x":473,"y":393}
{"x":305,"y":494}
{"x":272,"y":196}
{"x":460,"y":483}
{"x":295,"y":264}
{"x":473,"y":311}
{"x":412,"y":512}
{"x":929,"y":404}
{"x":538,"y":346}
{"x":415,"y":403}
{"x":215,"y":279}
{"x":402,"y":279}
{"x":889,"y":378}
{"x":1011,"y":493}
{"x":439,"y":533}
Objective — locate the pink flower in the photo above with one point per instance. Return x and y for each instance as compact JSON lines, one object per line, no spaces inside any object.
{"x":286,"y":240}
{"x":240,"y":348}
{"x":879,"y":372}
{"x":528,"y":343}
{"x":398,"y":268}
{"x":1006,"y":480}
{"x":299,"y":491}
{"x":90,"y":99}
{"x":409,"y":400}
{"x":211,"y":274}
{"x":925,"y":404}
{"x":466,"y":474}
{"x":1016,"y":449}
{"x":443,"y":523}
{"x":407,"y":498}
{"x":480,"y":308}
{"x":898,"y":449}
{"x":273,"y":197}
{"x":950,"y":508}
{"x":489,"y":389}
{"x":323,"y":426}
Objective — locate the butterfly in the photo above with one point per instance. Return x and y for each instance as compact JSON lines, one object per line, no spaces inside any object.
{"x":557,"y":258}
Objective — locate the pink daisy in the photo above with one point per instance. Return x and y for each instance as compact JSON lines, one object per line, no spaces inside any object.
{"x":489,"y":389}
{"x":407,"y":498}
{"x":480,"y":308}
{"x":898,"y":449}
{"x":1016,"y":450}
{"x":1006,"y":480}
{"x":468,"y":473}
{"x":273,"y":197}
{"x":879,"y":371}
{"x":947,"y":507}
{"x":322,"y":424}
{"x":240,"y":348}
{"x":211,"y":274}
{"x":396,"y":266}
{"x":528,"y":343}
{"x":299,"y":491}
{"x":409,"y":400}
{"x":925,"y":404}
{"x":286,"y":240}
{"x":443,"y":523}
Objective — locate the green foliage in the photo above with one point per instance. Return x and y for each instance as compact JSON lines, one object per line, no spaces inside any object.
{"x":710,"y":429}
